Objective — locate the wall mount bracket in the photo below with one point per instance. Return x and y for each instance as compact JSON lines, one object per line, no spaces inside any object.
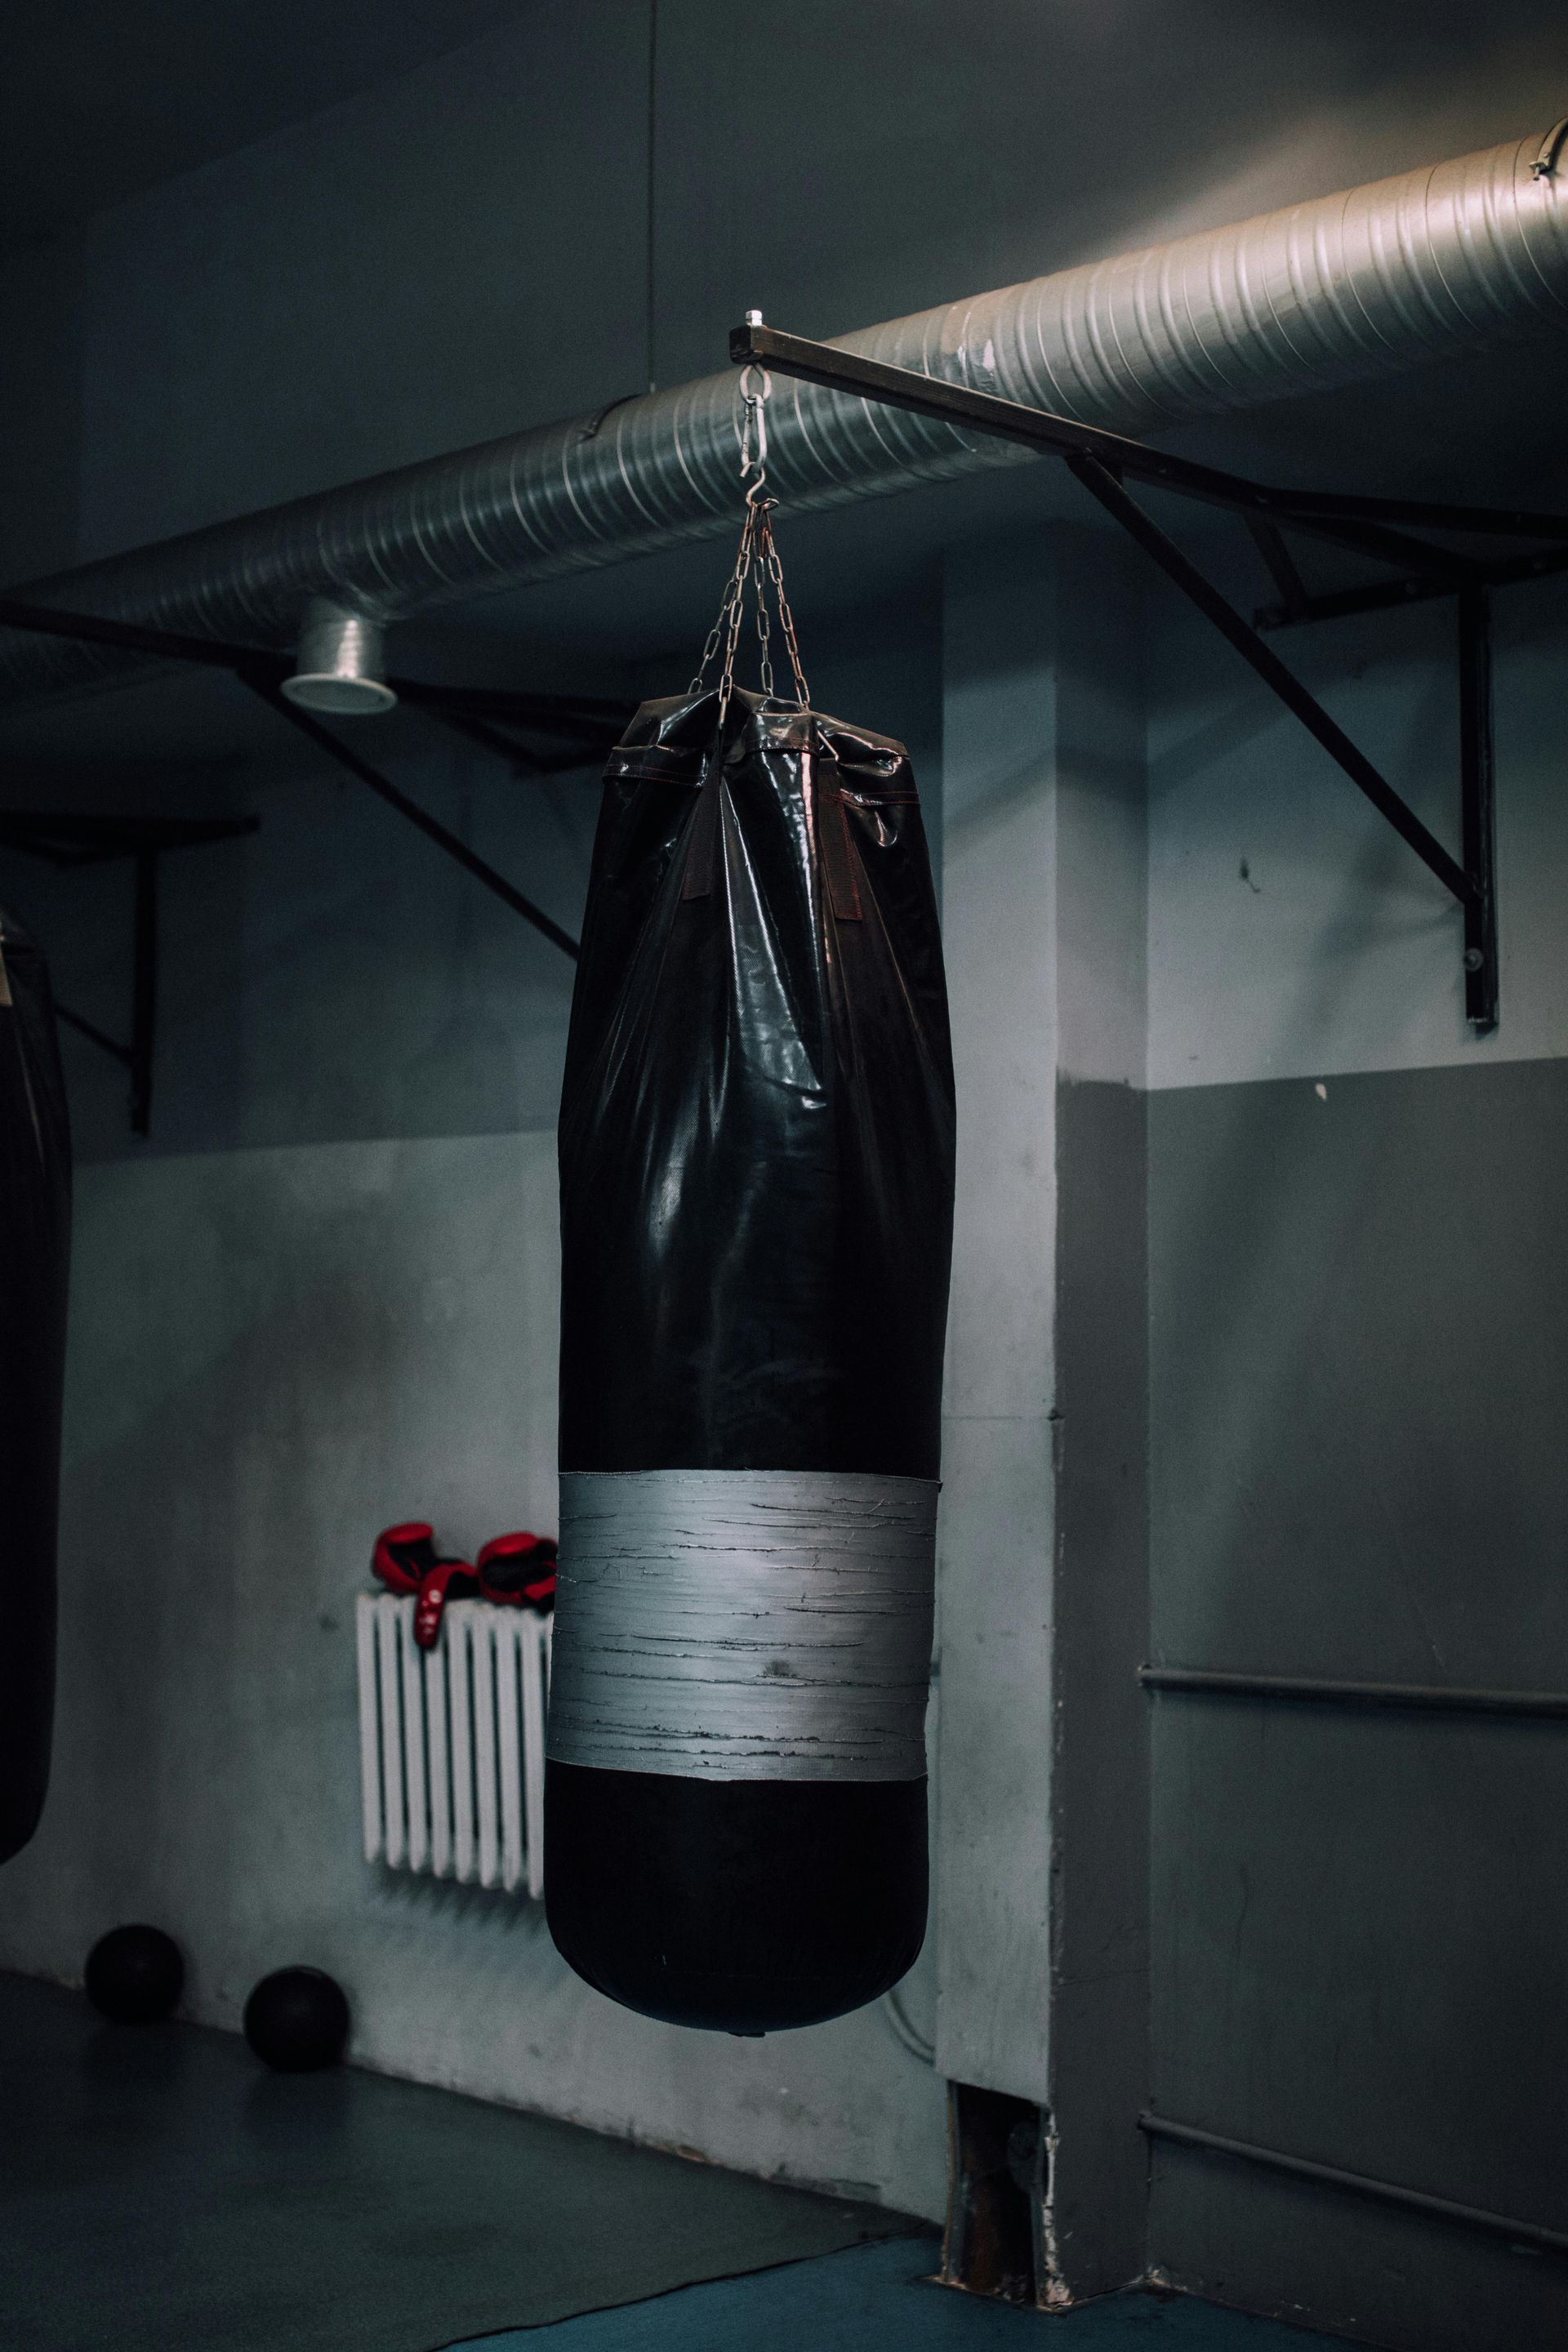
{"x":576,"y":728}
{"x":75,"y":841}
{"x":1391,"y":533}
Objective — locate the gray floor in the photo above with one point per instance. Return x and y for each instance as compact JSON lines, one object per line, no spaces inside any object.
{"x":159,"y":2190}
{"x":883,"y":2299}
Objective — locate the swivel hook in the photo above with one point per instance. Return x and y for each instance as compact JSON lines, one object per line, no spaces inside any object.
{"x":751,"y":430}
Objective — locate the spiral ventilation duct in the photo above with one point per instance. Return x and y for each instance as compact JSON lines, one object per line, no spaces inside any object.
{"x":1457,"y":257}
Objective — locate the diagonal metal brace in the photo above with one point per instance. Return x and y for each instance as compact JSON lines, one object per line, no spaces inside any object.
{"x":1260,"y":655}
{"x":1472,"y":882}
{"x":70,"y":841}
{"x":261,"y":683}
{"x":581,"y":720}
{"x":1379,"y":528}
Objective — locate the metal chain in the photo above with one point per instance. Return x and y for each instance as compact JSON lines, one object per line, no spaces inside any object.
{"x":756,"y":561}
{"x":737,"y":612}
{"x":734,"y":589}
{"x":775,"y":574}
{"x":760,"y":591}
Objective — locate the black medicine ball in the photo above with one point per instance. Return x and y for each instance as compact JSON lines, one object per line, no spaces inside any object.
{"x":134,"y":1974}
{"x":298,"y":2020}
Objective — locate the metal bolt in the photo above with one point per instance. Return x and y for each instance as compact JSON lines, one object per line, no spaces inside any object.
{"x":1473,"y":958}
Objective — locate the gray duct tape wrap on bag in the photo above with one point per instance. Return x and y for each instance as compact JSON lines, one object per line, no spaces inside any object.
{"x":742,"y":1625}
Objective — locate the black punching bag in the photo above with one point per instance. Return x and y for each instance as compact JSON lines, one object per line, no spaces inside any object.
{"x":35,"y":1250}
{"x":756,"y":1185}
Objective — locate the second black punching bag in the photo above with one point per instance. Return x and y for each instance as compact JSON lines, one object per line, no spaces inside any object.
{"x":34,"y":1248}
{"x":756,"y":1176}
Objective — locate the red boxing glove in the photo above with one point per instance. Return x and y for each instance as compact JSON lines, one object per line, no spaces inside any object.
{"x":404,"y":1558}
{"x":519,"y":1571}
{"x":449,"y":1578}
{"x":402,"y":1555}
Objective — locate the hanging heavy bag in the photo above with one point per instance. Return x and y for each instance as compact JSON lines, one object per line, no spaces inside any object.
{"x":756,"y":1183}
{"x":35,"y":1249}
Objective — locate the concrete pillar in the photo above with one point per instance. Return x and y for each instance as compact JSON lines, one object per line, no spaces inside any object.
{"x":1041,"y":1773}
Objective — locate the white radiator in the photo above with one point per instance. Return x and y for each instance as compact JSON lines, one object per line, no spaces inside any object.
{"x":452,"y":1742}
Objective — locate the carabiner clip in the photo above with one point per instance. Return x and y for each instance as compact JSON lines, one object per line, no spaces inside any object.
{"x":752,"y":432}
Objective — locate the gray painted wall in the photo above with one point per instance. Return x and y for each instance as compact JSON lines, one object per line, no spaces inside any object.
{"x":273,"y":1352}
{"x":332,"y":976}
{"x":322,"y":1300}
{"x":1290,"y":930}
{"x":996,"y":1532}
{"x":335,"y":976}
{"x":1359,"y":1396}
{"x":1356,"y":1395}
{"x":1042,"y":1858}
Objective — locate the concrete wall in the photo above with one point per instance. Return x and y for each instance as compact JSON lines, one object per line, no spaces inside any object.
{"x":272,"y":1353}
{"x":1290,"y":931}
{"x":1357,"y":1393}
{"x":323,"y":1299}
{"x":332,"y":976}
{"x":1042,"y":1891}
{"x":1357,"y":1471}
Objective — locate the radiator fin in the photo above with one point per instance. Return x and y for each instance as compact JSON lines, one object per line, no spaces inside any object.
{"x":452,"y":1742}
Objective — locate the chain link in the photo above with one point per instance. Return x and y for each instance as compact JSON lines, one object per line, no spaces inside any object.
{"x":756,"y":561}
{"x":775,"y":574}
{"x":720,"y":633}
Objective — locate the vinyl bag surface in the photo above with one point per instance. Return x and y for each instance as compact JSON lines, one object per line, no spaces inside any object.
{"x":756,"y":1181}
{"x":35,"y":1255}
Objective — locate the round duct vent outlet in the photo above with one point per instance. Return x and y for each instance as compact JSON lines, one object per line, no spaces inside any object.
{"x":339,"y":663}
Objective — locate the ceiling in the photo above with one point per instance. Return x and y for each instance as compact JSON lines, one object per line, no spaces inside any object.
{"x":100,"y":101}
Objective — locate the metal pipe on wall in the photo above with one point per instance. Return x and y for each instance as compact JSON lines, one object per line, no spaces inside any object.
{"x":1461,"y":256}
{"x":1360,"y":2184}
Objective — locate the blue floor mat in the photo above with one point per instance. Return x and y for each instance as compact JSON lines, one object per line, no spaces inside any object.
{"x":162,"y":2192}
{"x":880,"y":2299}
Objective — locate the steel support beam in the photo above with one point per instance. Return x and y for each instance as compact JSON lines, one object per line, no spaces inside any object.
{"x":145,"y":990}
{"x":1327,"y":1690}
{"x":578,"y":720}
{"x":1254,"y":650}
{"x":1477,"y":807}
{"x":430,"y":826}
{"x":70,"y":841}
{"x":1381,"y":529}
{"x":93,"y":1033}
{"x":1358,"y":2184}
{"x":1064,"y":437}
